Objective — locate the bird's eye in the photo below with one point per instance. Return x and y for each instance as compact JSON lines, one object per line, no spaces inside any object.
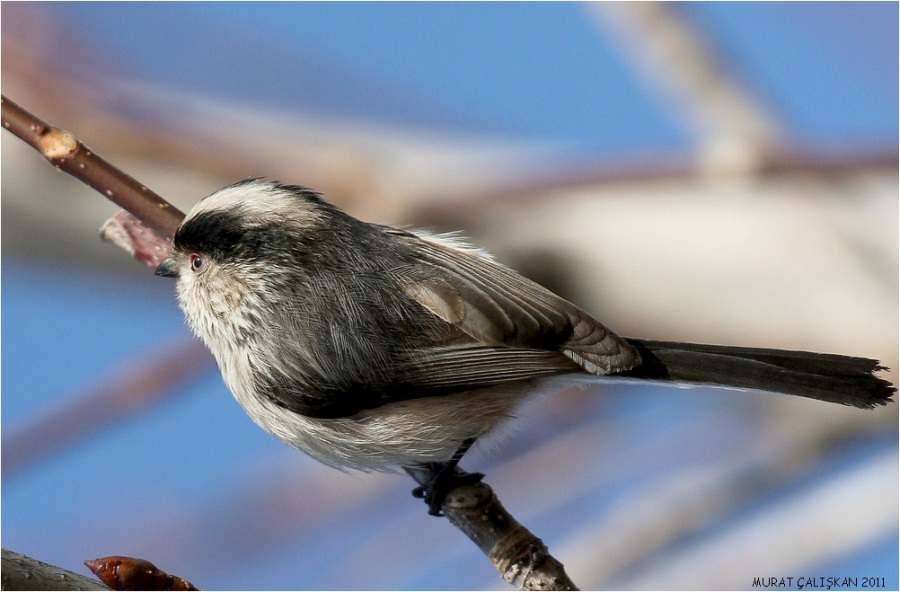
{"x":197,"y":262}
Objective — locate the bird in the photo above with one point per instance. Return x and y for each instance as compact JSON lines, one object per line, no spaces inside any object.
{"x":381,"y":348}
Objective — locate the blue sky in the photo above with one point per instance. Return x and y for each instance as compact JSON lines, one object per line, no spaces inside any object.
{"x":537,"y":71}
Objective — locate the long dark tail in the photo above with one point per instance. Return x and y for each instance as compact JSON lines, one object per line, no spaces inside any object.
{"x":827,"y":377}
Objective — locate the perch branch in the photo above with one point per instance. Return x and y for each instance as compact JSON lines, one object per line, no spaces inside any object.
{"x":521,"y":558}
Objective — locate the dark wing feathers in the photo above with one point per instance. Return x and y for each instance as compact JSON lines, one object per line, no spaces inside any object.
{"x":464,"y":368}
{"x":491,"y":326}
{"x":498,"y":307}
{"x":433,"y":372}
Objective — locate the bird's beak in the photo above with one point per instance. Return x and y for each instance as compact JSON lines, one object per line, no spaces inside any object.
{"x":167,"y":269}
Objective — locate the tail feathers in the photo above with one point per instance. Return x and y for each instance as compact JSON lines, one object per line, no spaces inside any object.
{"x":827,"y":377}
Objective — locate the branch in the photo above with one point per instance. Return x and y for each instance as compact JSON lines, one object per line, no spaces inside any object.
{"x":63,"y":150}
{"x":147,"y":227}
{"x":145,"y":379}
{"x":24,"y":573}
{"x":21,"y":572}
{"x":521,"y":558}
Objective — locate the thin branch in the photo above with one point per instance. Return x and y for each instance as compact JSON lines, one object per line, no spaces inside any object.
{"x":521,"y":558}
{"x":145,"y":379}
{"x":21,"y":572}
{"x":63,"y":150}
{"x":536,"y":183}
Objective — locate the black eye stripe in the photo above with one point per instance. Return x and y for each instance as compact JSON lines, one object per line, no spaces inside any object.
{"x":217,"y":233}
{"x":229,"y":236}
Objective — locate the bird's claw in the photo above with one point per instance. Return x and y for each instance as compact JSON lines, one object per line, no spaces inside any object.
{"x":435,"y":490}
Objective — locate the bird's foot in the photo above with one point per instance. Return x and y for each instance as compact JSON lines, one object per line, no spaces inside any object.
{"x":445,"y":478}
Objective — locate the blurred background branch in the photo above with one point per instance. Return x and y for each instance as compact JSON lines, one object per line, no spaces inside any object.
{"x":146,"y":380}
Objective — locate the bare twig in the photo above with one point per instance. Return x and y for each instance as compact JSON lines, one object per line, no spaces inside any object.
{"x":144,"y":379}
{"x":21,"y":572}
{"x":536,"y":183}
{"x":66,"y":153}
{"x":521,"y":558}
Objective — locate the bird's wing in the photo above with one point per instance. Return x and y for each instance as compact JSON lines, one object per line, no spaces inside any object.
{"x":438,"y":370}
{"x":431,"y":372}
{"x":502,"y":328}
{"x":498,"y":307}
